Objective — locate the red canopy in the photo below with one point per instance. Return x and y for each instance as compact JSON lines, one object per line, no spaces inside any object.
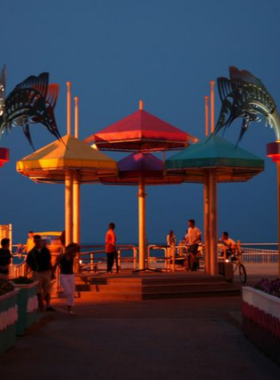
{"x":141,"y":165}
{"x":141,"y":131}
{"x":4,"y":156}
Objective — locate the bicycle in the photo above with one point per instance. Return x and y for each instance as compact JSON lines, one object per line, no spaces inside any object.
{"x":237,"y":265}
{"x":235,"y":259}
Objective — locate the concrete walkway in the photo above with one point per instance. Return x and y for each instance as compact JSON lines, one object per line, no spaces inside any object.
{"x":152,"y":340}
{"x":167,"y":339}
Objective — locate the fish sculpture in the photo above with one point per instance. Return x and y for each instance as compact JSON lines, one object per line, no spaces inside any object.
{"x":31,"y":102}
{"x":244,"y":96}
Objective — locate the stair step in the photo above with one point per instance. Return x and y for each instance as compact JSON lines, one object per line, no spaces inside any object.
{"x":192,"y":294}
{"x":113,"y":296}
{"x":185,"y":287}
{"x":132,"y":296}
{"x":116,"y":288}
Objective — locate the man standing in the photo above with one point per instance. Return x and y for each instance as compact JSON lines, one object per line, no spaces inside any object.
{"x":5,"y":258}
{"x":110,"y":248}
{"x":39,"y":260}
{"x":193,"y":239}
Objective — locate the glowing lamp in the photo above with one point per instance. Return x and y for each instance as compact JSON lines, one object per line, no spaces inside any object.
{"x":4,"y":156}
{"x":273,"y":151}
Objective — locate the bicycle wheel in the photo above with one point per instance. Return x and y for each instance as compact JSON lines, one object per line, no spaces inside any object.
{"x":242,"y":274}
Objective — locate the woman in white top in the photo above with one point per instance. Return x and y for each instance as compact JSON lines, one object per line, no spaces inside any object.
{"x":171,"y":242}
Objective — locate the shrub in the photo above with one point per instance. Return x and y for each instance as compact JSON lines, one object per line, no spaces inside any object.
{"x":271,"y":287}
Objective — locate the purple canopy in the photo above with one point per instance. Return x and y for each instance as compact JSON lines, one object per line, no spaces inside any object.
{"x":141,"y":165}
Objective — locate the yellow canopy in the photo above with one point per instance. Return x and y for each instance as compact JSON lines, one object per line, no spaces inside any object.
{"x":49,"y":163}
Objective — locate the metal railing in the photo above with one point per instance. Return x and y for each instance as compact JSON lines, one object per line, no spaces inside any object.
{"x":259,"y":256}
{"x":89,"y":260}
{"x":171,"y":255}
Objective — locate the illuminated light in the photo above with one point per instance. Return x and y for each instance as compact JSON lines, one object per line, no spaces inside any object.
{"x":227,"y":261}
{"x":94,"y":146}
{"x":81,"y":262}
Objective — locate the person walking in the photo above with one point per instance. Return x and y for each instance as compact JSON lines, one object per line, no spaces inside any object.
{"x":110,"y":247}
{"x":5,"y":258}
{"x":39,"y":261}
{"x":66,"y":262}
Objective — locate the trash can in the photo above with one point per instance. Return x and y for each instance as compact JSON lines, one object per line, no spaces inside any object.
{"x":225,"y":268}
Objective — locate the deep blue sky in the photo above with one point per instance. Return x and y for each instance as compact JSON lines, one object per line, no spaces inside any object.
{"x":115,"y":53}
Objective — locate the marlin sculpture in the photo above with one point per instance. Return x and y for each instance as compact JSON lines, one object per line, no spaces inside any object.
{"x":31,"y":102}
{"x":245,"y":96}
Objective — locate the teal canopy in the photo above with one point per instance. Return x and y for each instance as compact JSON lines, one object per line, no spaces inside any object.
{"x":233,"y":163}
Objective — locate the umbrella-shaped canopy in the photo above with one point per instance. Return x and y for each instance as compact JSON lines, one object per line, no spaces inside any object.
{"x":233,"y":164}
{"x":49,"y":163}
{"x":4,"y":156}
{"x":142,"y":169}
{"x":144,"y":166}
{"x":210,"y":161}
{"x":141,"y":131}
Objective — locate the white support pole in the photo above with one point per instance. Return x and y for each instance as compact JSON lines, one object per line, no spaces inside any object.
{"x":76,"y":134}
{"x":68,"y":207}
{"x":142,"y":223}
{"x":68,"y":108}
{"x":76,"y":209}
{"x":206,"y":221}
{"x":76,"y":187}
{"x":206,"y":197}
{"x":213,"y":221}
{"x":212,"y":100}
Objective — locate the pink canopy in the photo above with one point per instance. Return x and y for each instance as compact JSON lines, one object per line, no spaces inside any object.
{"x":141,"y":131}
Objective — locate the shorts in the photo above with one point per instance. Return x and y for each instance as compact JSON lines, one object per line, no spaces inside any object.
{"x":44,"y":279}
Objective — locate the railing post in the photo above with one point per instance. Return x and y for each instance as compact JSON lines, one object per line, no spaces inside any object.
{"x":134,"y":258}
{"x":119,"y":260}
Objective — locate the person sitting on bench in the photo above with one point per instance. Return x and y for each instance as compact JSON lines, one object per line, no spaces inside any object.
{"x":228,"y":244}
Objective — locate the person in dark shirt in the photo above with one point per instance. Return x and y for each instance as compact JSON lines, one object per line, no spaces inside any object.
{"x":39,"y":260}
{"x":5,"y":258}
{"x":67,"y":278}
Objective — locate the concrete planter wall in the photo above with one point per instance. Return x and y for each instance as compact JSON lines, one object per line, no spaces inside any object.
{"x":261,"y":320}
{"x":27,"y":306}
{"x":8,"y":319}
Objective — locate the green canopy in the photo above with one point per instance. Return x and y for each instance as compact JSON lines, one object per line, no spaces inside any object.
{"x":233,"y":163}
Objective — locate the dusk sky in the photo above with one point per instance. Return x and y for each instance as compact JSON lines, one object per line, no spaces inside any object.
{"x":116,"y":52}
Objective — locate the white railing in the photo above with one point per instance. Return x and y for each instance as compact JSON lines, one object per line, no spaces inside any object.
{"x":259,"y":256}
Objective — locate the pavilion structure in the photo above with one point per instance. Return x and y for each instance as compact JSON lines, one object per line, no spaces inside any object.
{"x":141,"y":133}
{"x":210,"y":161}
{"x":60,"y":162}
{"x":141,"y":169}
{"x":72,"y":162}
